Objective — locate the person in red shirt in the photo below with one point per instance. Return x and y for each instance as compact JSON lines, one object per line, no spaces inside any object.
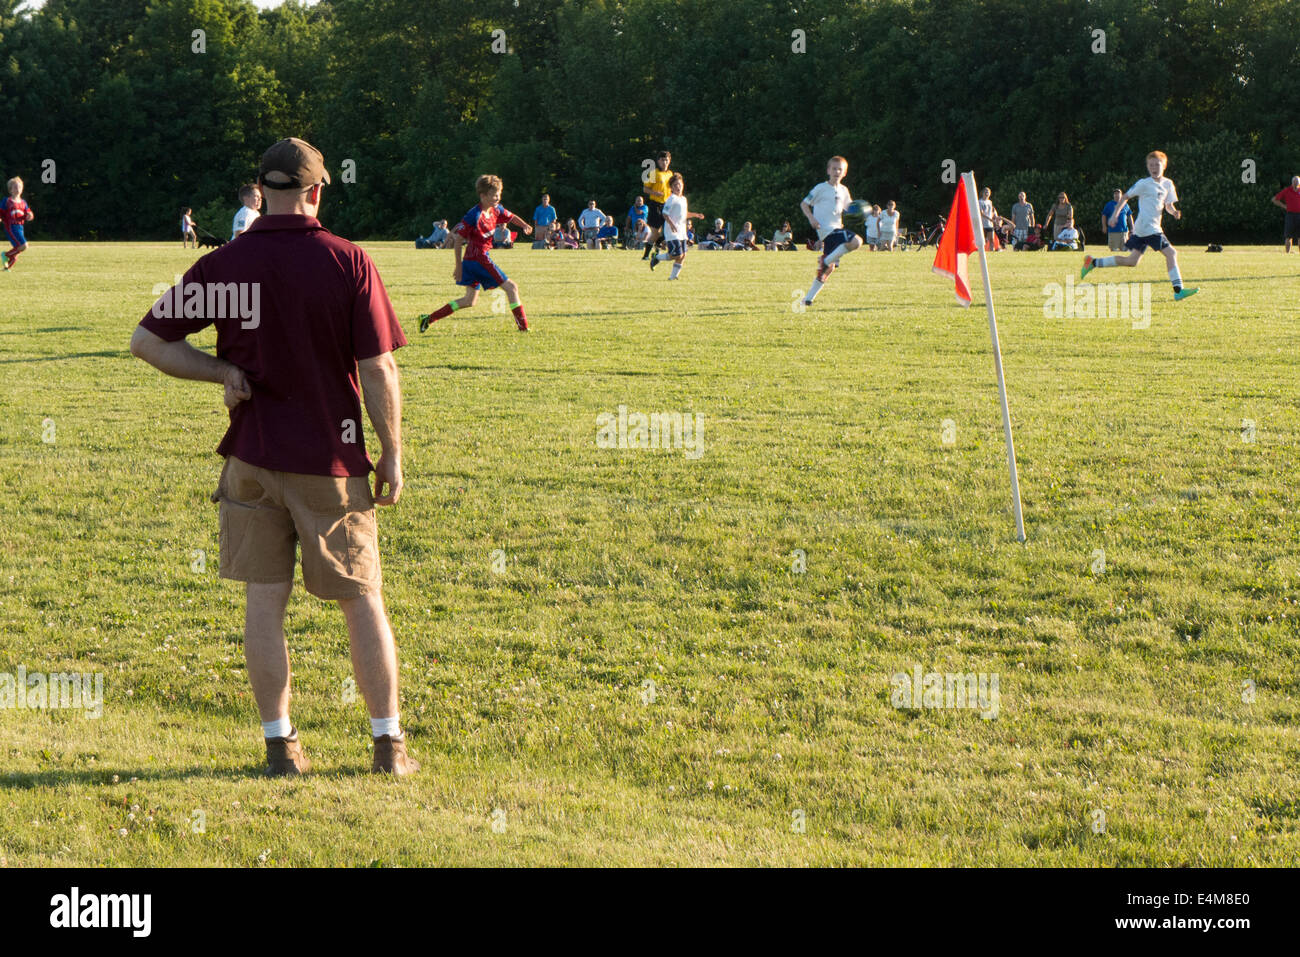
{"x":305,"y":329}
{"x":1289,"y":200}
{"x":475,"y":268}
{"x":15,"y":214}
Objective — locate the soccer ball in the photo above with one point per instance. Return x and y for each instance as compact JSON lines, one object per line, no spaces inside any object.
{"x":855,"y":215}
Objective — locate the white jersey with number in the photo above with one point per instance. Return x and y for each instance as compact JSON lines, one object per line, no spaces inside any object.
{"x":1152,"y":197}
{"x":675,"y":207}
{"x":243,"y":219}
{"x":828,"y":204}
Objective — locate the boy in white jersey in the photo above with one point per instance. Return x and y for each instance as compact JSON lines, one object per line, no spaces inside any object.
{"x":1156,"y":195}
{"x":676,"y":219}
{"x":824,"y":205}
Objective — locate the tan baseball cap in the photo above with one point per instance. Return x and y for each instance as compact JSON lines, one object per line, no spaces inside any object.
{"x":297,"y":159}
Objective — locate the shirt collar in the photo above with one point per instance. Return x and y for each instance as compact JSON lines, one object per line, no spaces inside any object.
{"x":285,"y":221}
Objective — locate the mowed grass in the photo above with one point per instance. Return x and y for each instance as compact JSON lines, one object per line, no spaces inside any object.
{"x":525,"y":693}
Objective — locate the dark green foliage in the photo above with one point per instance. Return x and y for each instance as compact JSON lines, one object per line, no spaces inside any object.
{"x":751,"y":96}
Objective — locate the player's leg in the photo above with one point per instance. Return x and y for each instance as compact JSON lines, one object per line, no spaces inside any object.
{"x":1175,"y":277}
{"x":830,"y":245}
{"x":843,"y":249}
{"x":677,"y":251}
{"x":511,"y":289}
{"x":464,"y":302}
{"x":1136,"y":246}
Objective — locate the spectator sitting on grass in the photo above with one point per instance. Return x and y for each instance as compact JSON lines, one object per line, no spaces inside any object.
{"x":641,"y":234}
{"x":501,"y":237}
{"x":783,"y":238}
{"x":745,"y":239}
{"x":567,"y":238}
{"x":608,"y":233}
{"x":636,"y":215}
{"x":716,"y":238}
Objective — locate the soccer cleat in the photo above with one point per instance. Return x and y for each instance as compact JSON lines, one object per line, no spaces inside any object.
{"x":1087,"y":266}
{"x":9,"y":263}
{"x":807,"y":303}
{"x":522,"y":323}
{"x":425,"y":320}
{"x":1184,"y":293}
{"x":654,"y":261}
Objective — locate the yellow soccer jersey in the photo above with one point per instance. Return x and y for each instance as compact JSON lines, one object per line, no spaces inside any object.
{"x":657,"y":190}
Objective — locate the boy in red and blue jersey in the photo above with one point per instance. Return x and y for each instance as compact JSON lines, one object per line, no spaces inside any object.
{"x":475,"y":268}
{"x":15,"y":214}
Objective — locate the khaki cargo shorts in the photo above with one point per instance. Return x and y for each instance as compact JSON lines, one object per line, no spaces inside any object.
{"x":1117,"y":241}
{"x":266,"y":514}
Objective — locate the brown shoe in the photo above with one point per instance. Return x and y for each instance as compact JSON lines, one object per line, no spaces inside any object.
{"x":285,"y":757}
{"x":391,"y":757}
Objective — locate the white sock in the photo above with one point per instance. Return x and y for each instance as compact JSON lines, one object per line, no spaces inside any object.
{"x":1104,"y":261}
{"x":677,"y":268}
{"x":663,"y":257}
{"x":840,"y":250}
{"x":385,"y":726}
{"x":1176,"y":279}
{"x":815,"y":288}
{"x":277,"y":729}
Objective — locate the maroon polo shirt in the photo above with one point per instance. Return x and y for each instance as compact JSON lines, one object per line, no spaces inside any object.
{"x":305,"y":306}
{"x":1291,"y":197}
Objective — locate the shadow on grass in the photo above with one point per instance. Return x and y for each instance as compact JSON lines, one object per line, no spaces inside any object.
{"x":29,"y":780}
{"x":118,"y":354}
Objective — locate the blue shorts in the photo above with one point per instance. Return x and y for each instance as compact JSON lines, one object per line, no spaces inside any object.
{"x":676,"y":247}
{"x":834,"y":239}
{"x":480,"y":272}
{"x":1156,"y":241}
{"x":16,"y":235}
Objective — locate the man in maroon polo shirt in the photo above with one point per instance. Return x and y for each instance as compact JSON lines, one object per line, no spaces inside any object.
{"x":1289,"y":200}
{"x":304,"y":329}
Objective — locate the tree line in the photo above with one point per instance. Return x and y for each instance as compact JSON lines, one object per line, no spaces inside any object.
{"x":117,"y":115}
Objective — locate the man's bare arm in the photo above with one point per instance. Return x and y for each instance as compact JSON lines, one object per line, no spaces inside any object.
{"x":183,"y":361}
{"x":383,"y":397}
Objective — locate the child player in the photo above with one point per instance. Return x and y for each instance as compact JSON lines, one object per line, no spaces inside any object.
{"x":657,"y":192}
{"x":823,"y":206}
{"x":676,"y":219}
{"x":15,"y":214}
{"x":1156,"y":194}
{"x":475,"y":268}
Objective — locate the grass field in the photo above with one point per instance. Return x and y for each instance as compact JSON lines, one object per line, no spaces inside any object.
{"x":1161,"y":574}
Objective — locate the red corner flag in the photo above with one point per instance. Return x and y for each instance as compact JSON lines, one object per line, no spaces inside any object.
{"x":957,"y":243}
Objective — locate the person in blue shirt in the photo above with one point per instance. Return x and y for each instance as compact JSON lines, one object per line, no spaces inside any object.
{"x":1116,"y":235}
{"x":543,"y":218}
{"x":636,"y":214}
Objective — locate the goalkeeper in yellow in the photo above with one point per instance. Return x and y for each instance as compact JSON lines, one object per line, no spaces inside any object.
{"x":656,"y":194}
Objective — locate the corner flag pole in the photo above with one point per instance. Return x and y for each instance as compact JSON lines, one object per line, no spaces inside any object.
{"x":972,"y":201}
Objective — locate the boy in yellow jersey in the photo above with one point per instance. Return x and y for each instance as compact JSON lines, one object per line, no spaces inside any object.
{"x":656,"y":194}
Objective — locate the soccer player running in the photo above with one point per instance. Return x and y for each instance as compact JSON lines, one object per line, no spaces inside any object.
{"x":824,"y":205}
{"x":675,"y":217}
{"x":475,"y":268}
{"x":657,"y":193}
{"x":1155,"y":194}
{"x":15,"y":214}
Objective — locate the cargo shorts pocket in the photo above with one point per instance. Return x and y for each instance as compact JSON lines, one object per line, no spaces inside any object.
{"x":343,"y":559}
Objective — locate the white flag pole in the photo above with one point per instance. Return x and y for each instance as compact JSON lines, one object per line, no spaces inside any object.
{"x":972,"y":201}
